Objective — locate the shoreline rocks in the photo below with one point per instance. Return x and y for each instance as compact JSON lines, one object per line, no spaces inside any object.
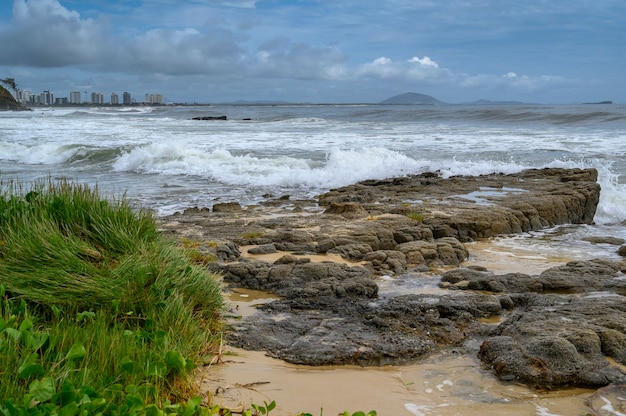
{"x":333,"y":313}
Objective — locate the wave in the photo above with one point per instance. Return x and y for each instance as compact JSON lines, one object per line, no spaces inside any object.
{"x":55,"y":154}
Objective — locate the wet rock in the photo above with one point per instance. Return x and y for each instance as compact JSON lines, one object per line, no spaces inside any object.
{"x":559,"y":341}
{"x":356,"y":331}
{"x":605,"y":240}
{"x":573,"y":277}
{"x":263,"y":249}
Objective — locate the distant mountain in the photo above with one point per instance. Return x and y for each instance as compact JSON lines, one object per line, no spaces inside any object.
{"x":413,"y":98}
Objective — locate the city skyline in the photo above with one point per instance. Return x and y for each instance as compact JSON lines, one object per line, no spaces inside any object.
{"x":48,"y":97}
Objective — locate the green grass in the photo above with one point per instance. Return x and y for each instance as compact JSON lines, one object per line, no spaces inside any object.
{"x":96,"y":307}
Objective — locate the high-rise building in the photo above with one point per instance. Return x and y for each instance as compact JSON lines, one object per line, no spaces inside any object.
{"x":46,"y":98}
{"x":115,"y":99}
{"x":154,"y":99}
{"x":97,"y":98}
{"x":23,"y":96}
{"x":75,"y":97}
{"x":127,"y":99}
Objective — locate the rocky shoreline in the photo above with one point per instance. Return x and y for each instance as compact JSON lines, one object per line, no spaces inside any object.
{"x":564,"y":327}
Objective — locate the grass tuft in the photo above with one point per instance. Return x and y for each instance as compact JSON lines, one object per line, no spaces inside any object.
{"x":95,"y":303}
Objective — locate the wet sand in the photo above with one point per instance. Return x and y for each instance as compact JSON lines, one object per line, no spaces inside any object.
{"x":446,"y":384}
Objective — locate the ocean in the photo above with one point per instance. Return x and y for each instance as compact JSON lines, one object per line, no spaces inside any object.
{"x":163,"y":160}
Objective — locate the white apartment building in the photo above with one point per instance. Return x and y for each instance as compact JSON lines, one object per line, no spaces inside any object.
{"x":75,"y":97}
{"x":154,"y":99}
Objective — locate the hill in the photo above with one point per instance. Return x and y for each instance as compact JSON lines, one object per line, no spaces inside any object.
{"x":413,"y":98}
{"x":7,"y":102}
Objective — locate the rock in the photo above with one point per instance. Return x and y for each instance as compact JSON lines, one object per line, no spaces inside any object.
{"x":347,"y":209}
{"x":560,"y":341}
{"x":227,"y":207}
{"x":324,"y":331}
{"x":206,"y":118}
{"x":557,"y":326}
{"x":622,"y":251}
{"x":605,"y":240}
{"x":263,"y":249}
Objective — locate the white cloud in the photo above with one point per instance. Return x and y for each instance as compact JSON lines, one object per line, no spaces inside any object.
{"x":415,"y":69}
{"x":512,"y":80}
{"x":424,"y":61}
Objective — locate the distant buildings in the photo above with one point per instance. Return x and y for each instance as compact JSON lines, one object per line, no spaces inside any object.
{"x":154,"y":99}
{"x":76,"y":98}
{"x":127,"y":98}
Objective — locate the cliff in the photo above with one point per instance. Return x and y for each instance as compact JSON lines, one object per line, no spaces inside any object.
{"x":7,"y":102}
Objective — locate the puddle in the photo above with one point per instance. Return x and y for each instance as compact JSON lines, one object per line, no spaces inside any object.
{"x":244,"y":302}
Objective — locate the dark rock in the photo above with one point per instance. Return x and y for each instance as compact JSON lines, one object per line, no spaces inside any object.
{"x":263,"y":249}
{"x":208,"y":118}
{"x":227,"y":207}
{"x":560,"y":341}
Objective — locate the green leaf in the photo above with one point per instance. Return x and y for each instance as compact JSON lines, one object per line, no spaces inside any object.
{"x":76,"y":352}
{"x":13,"y":333}
{"x":39,"y":340}
{"x":85,"y":316}
{"x":42,"y":390}
{"x":30,"y":369}
{"x":133,"y":402}
{"x":156,"y":368}
{"x":25,"y":325}
{"x":69,"y":410}
{"x":175,"y":360}
{"x":153,"y":410}
{"x":128,"y":365}
{"x":55,"y":311}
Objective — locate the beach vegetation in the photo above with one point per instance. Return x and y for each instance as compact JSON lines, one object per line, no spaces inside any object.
{"x":252,"y":234}
{"x":416,"y":216}
{"x":98,"y":312}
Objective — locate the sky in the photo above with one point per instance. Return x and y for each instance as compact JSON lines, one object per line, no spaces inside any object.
{"x":318,"y":51}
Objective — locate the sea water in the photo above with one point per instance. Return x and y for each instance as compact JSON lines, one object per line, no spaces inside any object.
{"x":162,"y":159}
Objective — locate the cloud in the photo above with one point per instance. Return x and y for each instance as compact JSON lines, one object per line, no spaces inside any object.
{"x":45,"y":34}
{"x":512,"y":80}
{"x":181,"y":52}
{"x":279,"y":57}
{"x":415,"y":69}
